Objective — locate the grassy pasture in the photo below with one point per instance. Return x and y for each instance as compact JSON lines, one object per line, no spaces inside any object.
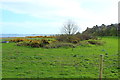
{"x":79,"y":62}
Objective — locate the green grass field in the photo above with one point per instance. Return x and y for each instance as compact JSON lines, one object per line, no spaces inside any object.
{"x":80,"y":62}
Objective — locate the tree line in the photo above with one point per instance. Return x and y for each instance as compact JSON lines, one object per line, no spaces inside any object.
{"x":104,"y":30}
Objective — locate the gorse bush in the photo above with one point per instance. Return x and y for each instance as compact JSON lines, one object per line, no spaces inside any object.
{"x":34,"y":36}
{"x":19,"y":40}
{"x":33,"y":43}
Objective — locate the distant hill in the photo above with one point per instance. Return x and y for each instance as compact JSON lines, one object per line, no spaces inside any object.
{"x":104,"y":30}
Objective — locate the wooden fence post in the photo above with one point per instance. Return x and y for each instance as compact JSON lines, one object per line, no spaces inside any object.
{"x":101,"y":67}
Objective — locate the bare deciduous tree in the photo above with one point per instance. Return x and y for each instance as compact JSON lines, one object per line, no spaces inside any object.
{"x":70,"y":28}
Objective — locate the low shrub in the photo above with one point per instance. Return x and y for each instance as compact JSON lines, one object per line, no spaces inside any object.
{"x":43,"y":42}
{"x":74,"y":40}
{"x":68,"y":39}
{"x":24,"y":43}
{"x":96,"y":42}
{"x":35,"y":43}
{"x":61,"y":38}
{"x":59,"y":44}
{"x":84,"y":44}
{"x":88,"y":43}
{"x":85,"y":36}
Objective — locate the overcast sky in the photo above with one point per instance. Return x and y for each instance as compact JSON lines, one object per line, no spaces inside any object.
{"x":48,"y":16}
